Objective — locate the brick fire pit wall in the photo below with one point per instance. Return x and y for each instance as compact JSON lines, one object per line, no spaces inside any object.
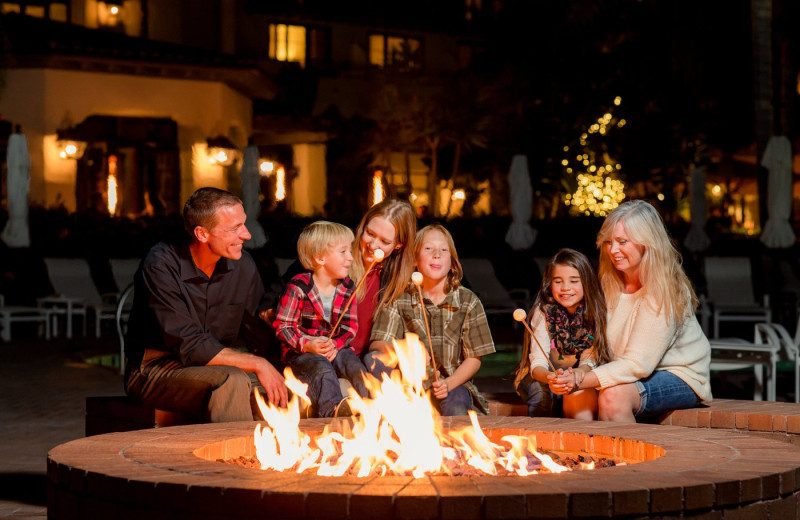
{"x":170,"y":473}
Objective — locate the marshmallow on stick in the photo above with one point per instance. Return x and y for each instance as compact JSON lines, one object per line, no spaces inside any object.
{"x":521,"y":316}
{"x":416,"y":277}
{"x":377,"y":256}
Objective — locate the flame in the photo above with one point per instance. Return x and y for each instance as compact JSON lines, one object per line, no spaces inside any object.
{"x":377,"y":187}
{"x":396,"y":431}
{"x":280,"y":184}
{"x":112,"y":184}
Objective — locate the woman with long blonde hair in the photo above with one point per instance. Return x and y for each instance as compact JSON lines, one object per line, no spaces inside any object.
{"x":661,"y":358}
{"x":390,"y":226}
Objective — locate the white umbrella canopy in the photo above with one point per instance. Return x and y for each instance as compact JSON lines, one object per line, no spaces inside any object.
{"x":520,"y":234}
{"x":778,"y":232}
{"x":18,"y":180}
{"x":696,"y":239}
{"x":251,"y":187}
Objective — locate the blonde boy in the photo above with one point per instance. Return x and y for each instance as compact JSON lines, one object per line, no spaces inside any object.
{"x":312,"y":303}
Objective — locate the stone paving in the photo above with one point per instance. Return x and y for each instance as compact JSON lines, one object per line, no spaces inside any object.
{"x":43,"y":387}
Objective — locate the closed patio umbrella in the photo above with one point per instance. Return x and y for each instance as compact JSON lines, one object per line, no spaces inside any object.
{"x":18,"y":162}
{"x":520,"y":234}
{"x":251,"y":187}
{"x":696,"y":239}
{"x":778,"y":232}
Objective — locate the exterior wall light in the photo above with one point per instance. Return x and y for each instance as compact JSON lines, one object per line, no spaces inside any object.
{"x":221,"y":151}
{"x":69,"y":144}
{"x":109,"y":12}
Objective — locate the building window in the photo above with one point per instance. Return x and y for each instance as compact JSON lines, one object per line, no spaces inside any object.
{"x":395,"y":51}
{"x":56,"y":11}
{"x":472,"y":9}
{"x":304,"y":45}
{"x":287,"y":43}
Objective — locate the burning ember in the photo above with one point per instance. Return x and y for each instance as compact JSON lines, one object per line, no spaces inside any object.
{"x":397,"y":432}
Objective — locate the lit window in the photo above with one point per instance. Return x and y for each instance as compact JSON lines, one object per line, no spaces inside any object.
{"x":36,"y":11}
{"x":377,"y":52}
{"x":58,"y":12}
{"x":287,"y":43}
{"x":395,"y":51}
{"x":9,"y":7}
{"x":472,"y":8}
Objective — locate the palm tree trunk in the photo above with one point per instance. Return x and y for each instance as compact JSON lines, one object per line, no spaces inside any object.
{"x":764,"y":109}
{"x":433,"y":177}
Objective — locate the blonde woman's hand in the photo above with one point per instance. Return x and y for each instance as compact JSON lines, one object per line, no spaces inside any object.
{"x":560,"y":382}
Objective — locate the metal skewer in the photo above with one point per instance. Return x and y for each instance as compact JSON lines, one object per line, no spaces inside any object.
{"x":520,"y":315}
{"x":377,"y":256}
{"x":416,"y":277}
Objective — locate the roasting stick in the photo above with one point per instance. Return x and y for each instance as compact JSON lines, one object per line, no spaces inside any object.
{"x":377,"y":256}
{"x":416,"y":277}
{"x":520,"y":315}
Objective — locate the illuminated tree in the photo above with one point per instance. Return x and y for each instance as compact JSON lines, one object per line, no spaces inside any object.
{"x":599,"y":189}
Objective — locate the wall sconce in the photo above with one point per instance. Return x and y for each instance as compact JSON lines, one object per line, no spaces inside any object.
{"x":221,"y":151}
{"x":266,"y":167}
{"x":110,"y":12}
{"x":69,"y":144}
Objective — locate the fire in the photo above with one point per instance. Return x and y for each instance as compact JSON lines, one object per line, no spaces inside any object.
{"x":396,"y":432}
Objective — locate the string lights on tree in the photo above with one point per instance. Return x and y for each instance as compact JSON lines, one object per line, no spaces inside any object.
{"x":599,"y":189}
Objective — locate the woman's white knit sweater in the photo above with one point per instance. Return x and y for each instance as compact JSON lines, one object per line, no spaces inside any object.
{"x":644,"y":341}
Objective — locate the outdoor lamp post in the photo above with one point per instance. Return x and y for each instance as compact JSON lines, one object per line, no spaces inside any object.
{"x":221,"y":151}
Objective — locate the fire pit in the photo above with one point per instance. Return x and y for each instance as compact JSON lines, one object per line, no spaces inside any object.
{"x":174,"y":473}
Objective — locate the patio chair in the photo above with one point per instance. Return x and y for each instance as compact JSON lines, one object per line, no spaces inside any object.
{"x":790,"y":352}
{"x":22,"y":314}
{"x":123,"y":270}
{"x":762,"y":353}
{"x":730,"y":292}
{"x":496,"y":299}
{"x":76,"y":293}
{"x":121,"y":315}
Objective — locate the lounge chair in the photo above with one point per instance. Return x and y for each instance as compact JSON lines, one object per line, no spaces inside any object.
{"x":730,"y":292}
{"x":76,"y":293}
{"x":496,"y":299}
{"x":22,"y":314}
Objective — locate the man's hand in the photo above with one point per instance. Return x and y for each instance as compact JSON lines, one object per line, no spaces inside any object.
{"x":273,"y":383}
{"x":270,"y":379}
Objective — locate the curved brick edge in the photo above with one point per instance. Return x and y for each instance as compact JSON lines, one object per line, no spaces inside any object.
{"x":743,"y":416}
{"x":158,"y":473}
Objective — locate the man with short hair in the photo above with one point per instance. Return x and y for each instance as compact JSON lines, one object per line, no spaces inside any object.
{"x":193,"y":306}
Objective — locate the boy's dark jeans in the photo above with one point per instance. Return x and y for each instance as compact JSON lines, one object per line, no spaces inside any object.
{"x":322,"y":378}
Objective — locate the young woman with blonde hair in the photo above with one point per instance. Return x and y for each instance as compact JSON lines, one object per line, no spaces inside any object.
{"x":390,"y":226}
{"x":661,"y":357}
